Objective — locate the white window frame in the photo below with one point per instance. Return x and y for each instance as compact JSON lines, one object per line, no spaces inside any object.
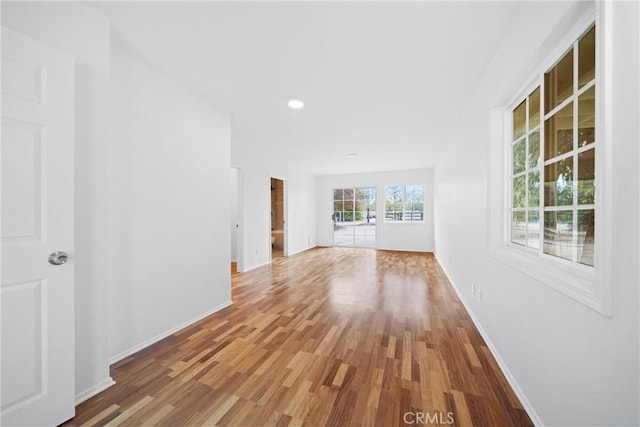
{"x":404,"y":206}
{"x":333,"y":223}
{"x":589,"y":285}
{"x":527,"y":170}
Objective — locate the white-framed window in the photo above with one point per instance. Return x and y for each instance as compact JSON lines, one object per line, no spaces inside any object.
{"x":549,"y":197}
{"x":404,"y":203}
{"x":557,"y":218}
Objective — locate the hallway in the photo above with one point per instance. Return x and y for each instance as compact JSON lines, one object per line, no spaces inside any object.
{"x":331,"y":336}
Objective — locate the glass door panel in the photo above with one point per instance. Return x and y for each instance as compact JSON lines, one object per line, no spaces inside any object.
{"x":354,"y":217}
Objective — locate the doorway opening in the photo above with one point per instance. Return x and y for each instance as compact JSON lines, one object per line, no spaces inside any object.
{"x":236,"y":220}
{"x":354,"y":217}
{"x":277,"y":218}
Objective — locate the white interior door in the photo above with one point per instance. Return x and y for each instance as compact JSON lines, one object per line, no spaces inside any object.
{"x":37,"y":297}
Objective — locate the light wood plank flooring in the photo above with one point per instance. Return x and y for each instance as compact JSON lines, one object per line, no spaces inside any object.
{"x":332,"y":336}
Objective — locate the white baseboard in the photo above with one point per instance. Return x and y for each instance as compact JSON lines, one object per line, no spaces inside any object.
{"x":93,"y":390}
{"x":418,"y":251}
{"x":246,"y":270}
{"x":147,"y":343}
{"x":501,"y":363}
{"x":256,"y":266}
{"x":301,"y":250}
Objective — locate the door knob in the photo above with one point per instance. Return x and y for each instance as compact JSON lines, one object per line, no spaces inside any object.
{"x":58,"y":258}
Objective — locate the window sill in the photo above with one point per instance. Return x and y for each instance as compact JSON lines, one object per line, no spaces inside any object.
{"x":576,"y":281}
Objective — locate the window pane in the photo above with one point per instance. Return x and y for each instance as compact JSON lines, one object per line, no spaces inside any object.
{"x":586,"y":117}
{"x":369,"y":205}
{"x":558,"y":183}
{"x":408,"y":203}
{"x":533,"y":229}
{"x":395,"y":196}
{"x":348,"y":205}
{"x":519,"y":192}
{"x":586,"y":177}
{"x":558,"y":83}
{"x":558,"y":133}
{"x":357,"y":205}
{"x":414,"y":204}
{"x":534,"y":108}
{"x":394,"y":202}
{"x":360,"y":211}
{"x":372,"y":197}
{"x":518,"y":156}
{"x":586,"y":228}
{"x":558,"y":234}
{"x":519,"y":120}
{"x":348,"y":193}
{"x":416,"y":191}
{"x":518,"y":228}
{"x":338,"y":206}
{"x":534,"y":150}
{"x":587,"y":58}
{"x":534,"y":189}
{"x":337,"y":194}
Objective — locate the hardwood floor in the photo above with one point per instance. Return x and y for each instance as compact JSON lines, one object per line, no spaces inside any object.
{"x":332,"y":336}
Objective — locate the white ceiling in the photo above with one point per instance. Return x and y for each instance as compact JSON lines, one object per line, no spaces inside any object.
{"x":385,"y":80}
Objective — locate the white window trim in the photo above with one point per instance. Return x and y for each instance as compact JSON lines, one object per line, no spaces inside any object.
{"x":403,"y":221}
{"x":354,"y":188}
{"x":590,"y":286}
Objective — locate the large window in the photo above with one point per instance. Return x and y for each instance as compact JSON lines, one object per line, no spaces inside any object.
{"x":404,"y":203}
{"x":552,"y":177}
{"x":554,"y":221}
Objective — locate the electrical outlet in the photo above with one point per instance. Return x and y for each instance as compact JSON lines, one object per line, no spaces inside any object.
{"x":473,"y":288}
{"x":480,"y":295}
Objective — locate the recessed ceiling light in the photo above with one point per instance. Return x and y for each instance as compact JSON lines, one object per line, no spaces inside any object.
{"x":352,"y":155}
{"x":296,"y":104}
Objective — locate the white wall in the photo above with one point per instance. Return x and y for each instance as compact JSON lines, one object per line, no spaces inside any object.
{"x":169,"y":206}
{"x":573,"y":365}
{"x":393,"y":236}
{"x":84,"y":34}
{"x":257,"y":169}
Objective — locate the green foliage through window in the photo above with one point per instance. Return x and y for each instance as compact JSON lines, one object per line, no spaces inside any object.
{"x":404,"y":203}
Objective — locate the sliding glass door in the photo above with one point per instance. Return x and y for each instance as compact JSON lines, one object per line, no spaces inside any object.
{"x":354,"y":217}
